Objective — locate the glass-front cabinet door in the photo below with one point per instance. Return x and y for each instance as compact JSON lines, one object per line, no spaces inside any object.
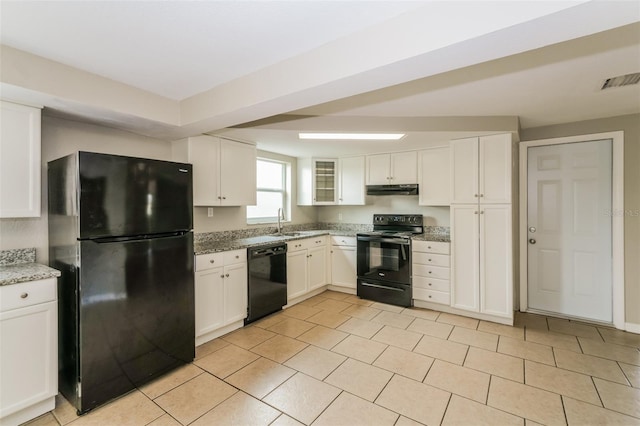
{"x":325,"y":181}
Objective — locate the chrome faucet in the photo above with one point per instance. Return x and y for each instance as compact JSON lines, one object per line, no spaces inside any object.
{"x":280,"y":217}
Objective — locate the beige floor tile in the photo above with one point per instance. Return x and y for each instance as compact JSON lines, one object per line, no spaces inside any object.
{"x":397,"y":337}
{"x":312,"y":301}
{"x":46,"y":419}
{"x":573,"y":328}
{"x":393,"y":319}
{"x":352,"y":298}
{"x":335,"y":295}
{"x":323,"y":337}
{"x":194,"y":398}
{"x":239,"y":410}
{"x":333,"y":305}
{"x":528,"y":422}
{"x":248,"y":337}
{"x":285,"y":420}
{"x":353,"y":411}
{"x":280,"y":348}
{"x":165,"y":420}
{"x":580,"y":414}
{"x":301,"y":312}
{"x":360,"y":349}
{"x":442,"y":349}
{"x":497,"y":364}
{"x":415,"y":400}
{"x":405,"y":421}
{"x":590,"y":365}
{"x":302,"y":397}
{"x":359,"y":327}
{"x":531,"y":321}
{"x":170,"y":380}
{"x":431,"y":328}
{"x":226,"y":361}
{"x":426,"y":314}
{"x":329,"y":319}
{"x":527,"y":350}
{"x":463,"y":412}
{"x":620,"y":337}
{"x":291,"y":327}
{"x":260,"y":377}
{"x":632,"y":372}
{"x":405,"y":363}
{"x":558,"y":380}
{"x":623,"y":399}
{"x":362,"y":312}
{"x":459,"y":380}
{"x":475,"y":338}
{"x":557,"y":340}
{"x":525,"y":401}
{"x":210,"y":347}
{"x":502,"y":329}
{"x":458,"y":320}
{"x":270,"y":320}
{"x":385,"y":307}
{"x":129,"y":410}
{"x":64,"y":411}
{"x":315,"y":362}
{"x":358,"y":378}
{"x":612,"y":351}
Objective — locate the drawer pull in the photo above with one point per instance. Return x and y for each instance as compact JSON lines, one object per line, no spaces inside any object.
{"x":430,"y":260}
{"x":222,"y":276}
{"x":429,"y":271}
{"x":237,"y":256}
{"x":226,"y":275}
{"x":429,"y":284}
{"x":24,"y":295}
{"x":429,"y":247}
{"x":429,"y":296}
{"x":212,"y":261}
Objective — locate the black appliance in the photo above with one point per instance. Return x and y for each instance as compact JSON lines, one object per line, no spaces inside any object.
{"x":120,"y":233}
{"x":406,"y":189}
{"x":267,"y":280}
{"x":384,"y":259}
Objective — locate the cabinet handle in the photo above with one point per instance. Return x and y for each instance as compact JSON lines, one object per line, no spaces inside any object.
{"x":429,"y":296}
{"x":219,"y":197}
{"x":227,"y":275}
{"x":429,"y":271}
{"x":237,"y":256}
{"x":429,"y":260}
{"x":224,"y":198}
{"x":429,"y":247}
{"x":429,"y":284}
{"x":481,"y":211}
{"x":475,"y":212}
{"x":481,"y":195}
{"x":24,"y":295}
{"x":475,"y":195}
{"x":222,"y":276}
{"x":212,"y":261}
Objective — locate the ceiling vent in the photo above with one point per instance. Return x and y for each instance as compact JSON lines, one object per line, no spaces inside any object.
{"x":621,"y":80}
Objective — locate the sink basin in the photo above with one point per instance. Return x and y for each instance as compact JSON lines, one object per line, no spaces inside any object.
{"x":288,"y":234}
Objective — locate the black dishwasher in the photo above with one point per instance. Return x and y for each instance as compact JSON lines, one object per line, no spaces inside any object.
{"x":267,"y":280}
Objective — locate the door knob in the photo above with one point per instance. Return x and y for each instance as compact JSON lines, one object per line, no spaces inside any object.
{"x":532,"y":241}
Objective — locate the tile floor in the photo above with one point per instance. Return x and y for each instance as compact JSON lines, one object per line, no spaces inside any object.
{"x":337,"y":360}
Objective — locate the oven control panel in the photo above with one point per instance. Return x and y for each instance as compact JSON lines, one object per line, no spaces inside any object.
{"x":395,"y":219}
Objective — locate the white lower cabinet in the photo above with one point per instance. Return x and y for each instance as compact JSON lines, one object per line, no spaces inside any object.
{"x":343,"y":262}
{"x":221,"y":293}
{"x":430,"y":269}
{"x":306,"y":266}
{"x":28,"y":350}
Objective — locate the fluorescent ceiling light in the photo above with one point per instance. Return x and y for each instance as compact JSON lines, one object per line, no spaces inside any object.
{"x":353,"y":136}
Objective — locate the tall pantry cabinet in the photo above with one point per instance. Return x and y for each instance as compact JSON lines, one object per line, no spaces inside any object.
{"x":481,"y":226}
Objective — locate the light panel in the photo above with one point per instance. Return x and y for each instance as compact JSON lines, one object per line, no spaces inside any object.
{"x":353,"y":136}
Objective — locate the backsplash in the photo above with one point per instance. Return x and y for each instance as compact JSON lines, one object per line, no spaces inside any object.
{"x":13,"y":256}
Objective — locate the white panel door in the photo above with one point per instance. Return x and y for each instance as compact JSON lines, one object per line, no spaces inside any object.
{"x":209,"y":295}
{"x":204,"y":154}
{"x":378,"y":172}
{"x":496,"y":269}
{"x":235,"y":292}
{"x":465,"y":263}
{"x":351,"y":178}
{"x":464,"y":171}
{"x":343,"y":266}
{"x":404,"y":168}
{"x":495,"y":169}
{"x":569,"y":229}
{"x":237,"y":174}
{"x":433,"y":172}
{"x":296,"y":273}
{"x":317,"y":261}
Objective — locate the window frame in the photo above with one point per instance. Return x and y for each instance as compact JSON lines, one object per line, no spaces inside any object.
{"x":285,"y":191}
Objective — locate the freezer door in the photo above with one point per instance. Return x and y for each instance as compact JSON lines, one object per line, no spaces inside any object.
{"x":137,"y":315}
{"x":126,"y":196}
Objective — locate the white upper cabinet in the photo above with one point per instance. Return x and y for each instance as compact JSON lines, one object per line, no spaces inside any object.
{"x":224,"y":171}
{"x":351,"y":189}
{"x":481,"y":170}
{"x":317,"y":181}
{"x":19,"y":160}
{"x":433,"y":173}
{"x":392,"y":169}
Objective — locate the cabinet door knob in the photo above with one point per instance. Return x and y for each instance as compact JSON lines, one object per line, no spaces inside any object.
{"x":475,"y":212}
{"x":222,"y":276}
{"x":212,"y":261}
{"x":429,"y":296}
{"x":219,"y":197}
{"x":481,"y":195}
{"x":237,"y":256}
{"x":24,"y":295}
{"x":429,"y":260}
{"x":429,"y":247}
{"x":429,"y":284}
{"x":227,"y":275}
{"x":429,"y":271}
{"x":481,"y":211}
{"x":224,"y":198}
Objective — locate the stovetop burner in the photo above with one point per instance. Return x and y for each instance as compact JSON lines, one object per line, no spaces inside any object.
{"x":396,"y":225}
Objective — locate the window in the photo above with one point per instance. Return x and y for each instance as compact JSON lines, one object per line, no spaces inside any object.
{"x":272,"y":184}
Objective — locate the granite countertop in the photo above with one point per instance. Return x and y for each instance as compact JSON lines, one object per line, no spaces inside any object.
{"x":18,"y":266}
{"x":443,"y":238}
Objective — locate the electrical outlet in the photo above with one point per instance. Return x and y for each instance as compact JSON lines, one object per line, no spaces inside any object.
{"x":210,"y":212}
{"x":339,"y":216}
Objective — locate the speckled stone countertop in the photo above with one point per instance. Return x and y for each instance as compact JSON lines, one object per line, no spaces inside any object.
{"x":18,"y":266}
{"x":443,"y":238}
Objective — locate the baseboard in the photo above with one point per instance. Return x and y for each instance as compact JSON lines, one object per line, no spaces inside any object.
{"x":632,"y":327}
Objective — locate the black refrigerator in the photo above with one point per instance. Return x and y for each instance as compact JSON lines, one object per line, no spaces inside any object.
{"x":120,"y":231}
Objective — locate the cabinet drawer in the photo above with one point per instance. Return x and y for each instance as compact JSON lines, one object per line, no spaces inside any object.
{"x":234,"y":256}
{"x":431,"y":247}
{"x":431,"y":296}
{"x":431,"y":271}
{"x":431,"y":259}
{"x":208,"y":261}
{"x":309,"y":243}
{"x":296,"y":245}
{"x":26,"y":294}
{"x":431,"y":284}
{"x":338,"y":240}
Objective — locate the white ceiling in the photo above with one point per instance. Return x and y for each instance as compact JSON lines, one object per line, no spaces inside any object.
{"x":423,"y":67}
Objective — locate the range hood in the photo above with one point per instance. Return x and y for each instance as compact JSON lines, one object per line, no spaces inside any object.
{"x":410,"y":189}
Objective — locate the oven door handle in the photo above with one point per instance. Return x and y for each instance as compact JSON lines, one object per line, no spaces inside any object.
{"x":386,"y":240}
{"x":381,"y":286}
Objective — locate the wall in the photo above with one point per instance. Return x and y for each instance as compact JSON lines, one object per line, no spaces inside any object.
{"x":630,"y":124}
{"x":61,"y":137}
{"x":403,"y":204}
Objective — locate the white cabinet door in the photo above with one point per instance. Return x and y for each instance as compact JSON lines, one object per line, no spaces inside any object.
{"x":28,"y":356}
{"x":19,"y":160}
{"x":495,"y":169}
{"x":433,"y":177}
{"x":465,"y":257}
{"x":378,"y":169}
{"x":404,"y":167}
{"x":296,"y":273}
{"x":325,"y":181}
{"x":235,"y":292}
{"x":496,"y":275}
{"x":343,"y":266}
{"x":317,"y":267}
{"x":351,"y":181}
{"x":209,"y":295}
{"x":237,"y":174}
{"x":464,"y":171}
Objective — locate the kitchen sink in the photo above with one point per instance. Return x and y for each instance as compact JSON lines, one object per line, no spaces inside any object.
{"x":288,"y":234}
